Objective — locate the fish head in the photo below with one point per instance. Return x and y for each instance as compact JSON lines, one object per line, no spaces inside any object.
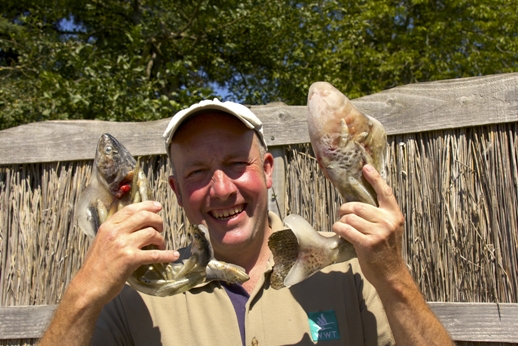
{"x":200,"y":244}
{"x":344,"y":140}
{"x":114,"y":165}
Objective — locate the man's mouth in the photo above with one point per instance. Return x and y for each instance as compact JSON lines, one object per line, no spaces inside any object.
{"x":225,"y":214}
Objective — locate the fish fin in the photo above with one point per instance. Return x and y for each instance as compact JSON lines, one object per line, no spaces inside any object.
{"x":85,"y":212}
{"x":298,"y":273}
{"x":134,"y":192}
{"x":223,"y":271}
{"x":284,"y":247}
{"x":363,"y":191}
{"x":315,"y":250}
{"x":188,"y":266}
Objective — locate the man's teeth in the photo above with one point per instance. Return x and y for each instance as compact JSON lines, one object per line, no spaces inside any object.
{"x":220,"y":214}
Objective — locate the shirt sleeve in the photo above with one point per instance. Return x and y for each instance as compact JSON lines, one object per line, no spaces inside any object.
{"x":112,"y":327}
{"x":376,"y":326}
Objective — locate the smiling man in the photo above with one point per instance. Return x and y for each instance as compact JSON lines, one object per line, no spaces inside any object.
{"x":221,"y":178}
{"x":221,"y":175}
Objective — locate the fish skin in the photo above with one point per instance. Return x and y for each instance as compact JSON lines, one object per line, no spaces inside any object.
{"x":118,"y":180}
{"x":343,"y":140}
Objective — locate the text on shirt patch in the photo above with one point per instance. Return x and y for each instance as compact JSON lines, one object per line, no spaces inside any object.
{"x":323,"y":325}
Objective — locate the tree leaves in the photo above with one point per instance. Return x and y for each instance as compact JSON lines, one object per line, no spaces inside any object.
{"x":147,"y":59}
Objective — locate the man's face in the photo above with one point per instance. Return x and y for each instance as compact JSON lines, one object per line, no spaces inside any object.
{"x":221,"y":181}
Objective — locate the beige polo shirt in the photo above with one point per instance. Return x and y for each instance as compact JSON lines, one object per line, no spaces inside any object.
{"x":336,"y":306}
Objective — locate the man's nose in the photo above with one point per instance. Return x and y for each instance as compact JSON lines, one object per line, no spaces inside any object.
{"x":222,"y":186}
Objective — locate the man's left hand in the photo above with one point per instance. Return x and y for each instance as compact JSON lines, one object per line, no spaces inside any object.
{"x":375,"y":232}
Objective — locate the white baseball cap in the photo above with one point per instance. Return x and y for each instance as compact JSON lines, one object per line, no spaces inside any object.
{"x":241,"y":112}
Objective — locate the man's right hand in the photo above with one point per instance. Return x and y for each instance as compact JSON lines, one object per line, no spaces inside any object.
{"x":116,"y":251}
{"x":114,"y":254}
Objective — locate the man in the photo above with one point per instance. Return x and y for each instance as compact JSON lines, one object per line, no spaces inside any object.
{"x":221,"y":176}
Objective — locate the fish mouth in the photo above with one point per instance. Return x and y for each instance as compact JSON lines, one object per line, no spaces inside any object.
{"x":124,"y":186}
{"x":227,"y":214}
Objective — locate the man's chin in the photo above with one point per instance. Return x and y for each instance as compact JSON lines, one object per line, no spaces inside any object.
{"x":230,"y":243}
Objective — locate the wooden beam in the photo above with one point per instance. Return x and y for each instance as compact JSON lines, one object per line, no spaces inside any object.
{"x":25,"y":322}
{"x":482,"y":322}
{"x":446,"y":104}
{"x":52,"y":141}
{"x":406,"y":109}
{"x":276,"y":194}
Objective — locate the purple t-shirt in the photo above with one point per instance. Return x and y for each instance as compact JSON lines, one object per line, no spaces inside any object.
{"x":238,"y":296}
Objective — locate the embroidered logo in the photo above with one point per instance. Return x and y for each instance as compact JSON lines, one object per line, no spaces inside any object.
{"x":323,"y":325}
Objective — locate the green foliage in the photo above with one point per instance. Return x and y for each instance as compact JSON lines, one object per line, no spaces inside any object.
{"x":146,"y":59}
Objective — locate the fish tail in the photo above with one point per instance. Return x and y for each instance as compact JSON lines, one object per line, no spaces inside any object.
{"x":284,"y":247}
{"x":300,"y":251}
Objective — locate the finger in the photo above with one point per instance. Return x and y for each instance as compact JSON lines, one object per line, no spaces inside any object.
{"x":386,"y":198}
{"x":349,"y":233}
{"x":150,"y":256}
{"x":145,"y":219}
{"x":358,"y":223}
{"x":132,"y":209}
{"x":148,"y":236}
{"x":363,"y":210}
{"x":128,"y":221}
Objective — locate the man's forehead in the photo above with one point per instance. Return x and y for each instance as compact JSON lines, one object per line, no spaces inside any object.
{"x":207,"y":155}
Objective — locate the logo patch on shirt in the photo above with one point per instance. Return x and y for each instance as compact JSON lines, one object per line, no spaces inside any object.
{"x":323,"y":325}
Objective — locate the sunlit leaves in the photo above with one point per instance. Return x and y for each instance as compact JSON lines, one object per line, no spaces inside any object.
{"x":146,"y":59}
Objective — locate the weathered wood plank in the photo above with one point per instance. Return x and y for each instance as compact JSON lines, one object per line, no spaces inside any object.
{"x":24,"y":322}
{"x":276,"y":200}
{"x":52,"y":141}
{"x":484,"y":322}
{"x":445,"y":104}
{"x":406,"y":109}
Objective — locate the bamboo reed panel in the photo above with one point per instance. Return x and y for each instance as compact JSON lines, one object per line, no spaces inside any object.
{"x":457,"y":188}
{"x":41,"y":248}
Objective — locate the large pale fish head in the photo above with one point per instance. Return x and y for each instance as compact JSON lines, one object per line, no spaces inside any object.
{"x":344,"y":140}
{"x":114,"y":165}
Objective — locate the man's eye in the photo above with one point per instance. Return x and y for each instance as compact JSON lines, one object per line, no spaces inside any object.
{"x":195,"y":172}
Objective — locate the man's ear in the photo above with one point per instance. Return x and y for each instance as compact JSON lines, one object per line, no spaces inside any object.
{"x":268,"y":169}
{"x":176,"y":188}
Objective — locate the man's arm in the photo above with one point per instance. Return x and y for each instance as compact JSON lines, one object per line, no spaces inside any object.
{"x":114,"y":254}
{"x":376,"y":234}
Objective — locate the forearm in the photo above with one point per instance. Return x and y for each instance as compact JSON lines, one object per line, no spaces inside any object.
{"x":410,"y":318}
{"x":74,"y":320}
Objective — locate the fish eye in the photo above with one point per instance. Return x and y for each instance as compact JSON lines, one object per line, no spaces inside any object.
{"x":108,"y":150}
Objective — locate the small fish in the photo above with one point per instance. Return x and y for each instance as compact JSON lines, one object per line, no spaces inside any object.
{"x":343,"y":140}
{"x":201,"y":267}
{"x":117,"y":181}
{"x":112,"y":176}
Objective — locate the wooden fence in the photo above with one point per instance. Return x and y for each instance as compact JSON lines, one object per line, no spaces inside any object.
{"x":453,"y":167}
